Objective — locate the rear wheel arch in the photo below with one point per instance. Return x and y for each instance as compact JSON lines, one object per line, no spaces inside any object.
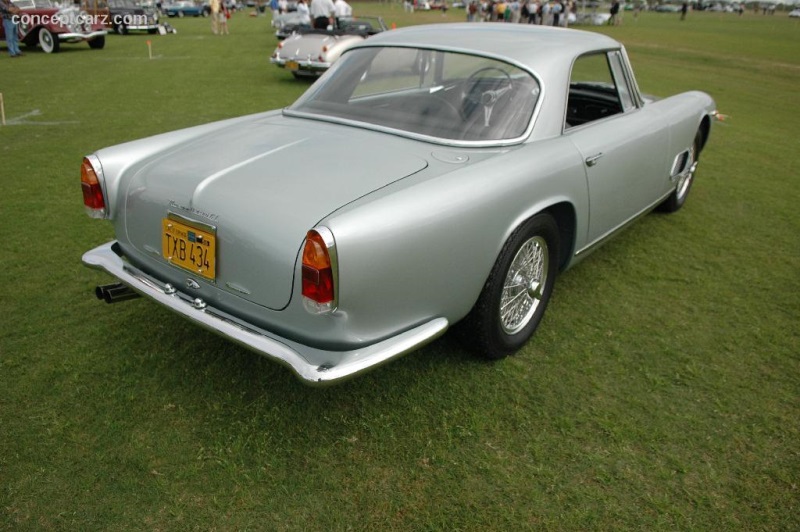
{"x":564,"y":215}
{"x":705,"y":130}
{"x":488,"y":328}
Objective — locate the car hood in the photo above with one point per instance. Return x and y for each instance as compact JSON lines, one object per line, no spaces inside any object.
{"x":262,"y":185}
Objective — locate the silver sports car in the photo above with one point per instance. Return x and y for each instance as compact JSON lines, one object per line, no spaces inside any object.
{"x":448,"y":173}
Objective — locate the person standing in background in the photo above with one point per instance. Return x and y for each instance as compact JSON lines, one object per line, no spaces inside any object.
{"x":322,"y":13}
{"x":342,"y":9}
{"x":9,"y":11}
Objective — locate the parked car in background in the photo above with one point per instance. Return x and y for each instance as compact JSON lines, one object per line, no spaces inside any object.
{"x":310,"y":52}
{"x":794,"y":13}
{"x":126,"y":16}
{"x":47,"y":25}
{"x":589,"y":19}
{"x":185,"y":8}
{"x":434,"y":174}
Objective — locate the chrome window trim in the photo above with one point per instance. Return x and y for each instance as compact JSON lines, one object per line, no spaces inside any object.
{"x":617,"y":66}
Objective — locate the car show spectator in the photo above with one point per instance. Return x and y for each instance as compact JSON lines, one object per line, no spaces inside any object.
{"x":302,"y":8}
{"x":8,"y":11}
{"x":215,"y":10}
{"x":223,"y":15}
{"x":342,"y":9}
{"x":534,"y":9}
{"x":556,"y":10}
{"x":614,"y":11}
{"x":322,"y":12}
{"x":472,"y":11}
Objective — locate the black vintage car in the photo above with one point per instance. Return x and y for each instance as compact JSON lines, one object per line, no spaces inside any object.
{"x":127,"y":15}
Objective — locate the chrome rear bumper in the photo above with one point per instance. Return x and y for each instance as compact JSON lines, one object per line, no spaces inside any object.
{"x":312,"y":365}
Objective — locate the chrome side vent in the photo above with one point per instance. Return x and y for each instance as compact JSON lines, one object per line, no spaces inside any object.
{"x":679,"y":165}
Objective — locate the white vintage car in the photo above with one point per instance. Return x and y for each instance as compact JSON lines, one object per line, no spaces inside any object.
{"x":435,"y":174}
{"x":309,"y":52}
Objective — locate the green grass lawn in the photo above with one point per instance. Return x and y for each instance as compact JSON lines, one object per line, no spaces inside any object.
{"x":662,"y":390}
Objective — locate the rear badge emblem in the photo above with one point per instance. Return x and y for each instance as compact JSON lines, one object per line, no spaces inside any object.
{"x":191,"y":283}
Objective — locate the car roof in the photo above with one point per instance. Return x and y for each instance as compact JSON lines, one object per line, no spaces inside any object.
{"x":537,"y":47}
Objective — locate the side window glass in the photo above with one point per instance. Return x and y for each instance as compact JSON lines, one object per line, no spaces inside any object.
{"x":593,"y":92}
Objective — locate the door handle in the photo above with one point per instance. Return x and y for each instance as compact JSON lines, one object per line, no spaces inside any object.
{"x":591,"y":161}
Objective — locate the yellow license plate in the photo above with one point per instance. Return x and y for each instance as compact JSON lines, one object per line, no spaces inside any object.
{"x":292,"y":65}
{"x":190,"y":248}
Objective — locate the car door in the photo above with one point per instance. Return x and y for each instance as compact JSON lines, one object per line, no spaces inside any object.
{"x":623,"y":144}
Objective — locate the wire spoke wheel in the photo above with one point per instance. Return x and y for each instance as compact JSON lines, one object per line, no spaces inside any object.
{"x":524,"y":285}
{"x":514,"y":297}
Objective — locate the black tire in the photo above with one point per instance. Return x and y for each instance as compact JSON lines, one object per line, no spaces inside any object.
{"x":497,"y":330}
{"x":98,"y":43}
{"x":684,"y":184}
{"x":49,"y":42}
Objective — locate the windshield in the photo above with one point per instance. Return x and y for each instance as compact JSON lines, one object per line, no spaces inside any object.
{"x":439,"y":95}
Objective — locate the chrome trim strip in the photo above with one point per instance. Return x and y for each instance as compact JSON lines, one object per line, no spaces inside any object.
{"x":81,"y":36}
{"x":426,"y":138}
{"x":340,"y":365}
{"x":203,"y":226}
{"x":678,"y":165}
{"x":406,"y":134}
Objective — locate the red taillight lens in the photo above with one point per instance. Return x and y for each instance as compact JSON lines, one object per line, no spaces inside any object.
{"x":318,"y":283}
{"x":92,"y":190}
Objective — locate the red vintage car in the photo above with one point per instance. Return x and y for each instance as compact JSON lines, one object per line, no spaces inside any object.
{"x":44,"y":23}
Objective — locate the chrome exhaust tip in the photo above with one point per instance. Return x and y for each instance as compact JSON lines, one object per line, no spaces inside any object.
{"x":114,"y":293}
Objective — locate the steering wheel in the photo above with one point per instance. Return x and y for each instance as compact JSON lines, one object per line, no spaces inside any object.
{"x":476,"y":91}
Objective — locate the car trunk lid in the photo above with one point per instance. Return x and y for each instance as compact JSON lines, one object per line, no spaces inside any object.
{"x":257,"y":188}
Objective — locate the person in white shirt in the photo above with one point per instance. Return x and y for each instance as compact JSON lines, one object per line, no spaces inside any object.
{"x":343,"y":9}
{"x":322,"y":13}
{"x":302,"y":8}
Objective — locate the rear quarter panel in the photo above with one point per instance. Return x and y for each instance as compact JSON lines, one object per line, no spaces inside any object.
{"x":684,"y":114}
{"x":424,"y":247}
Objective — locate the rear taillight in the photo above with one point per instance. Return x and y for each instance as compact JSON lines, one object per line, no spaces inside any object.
{"x":91,"y":183}
{"x":319,"y":271}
